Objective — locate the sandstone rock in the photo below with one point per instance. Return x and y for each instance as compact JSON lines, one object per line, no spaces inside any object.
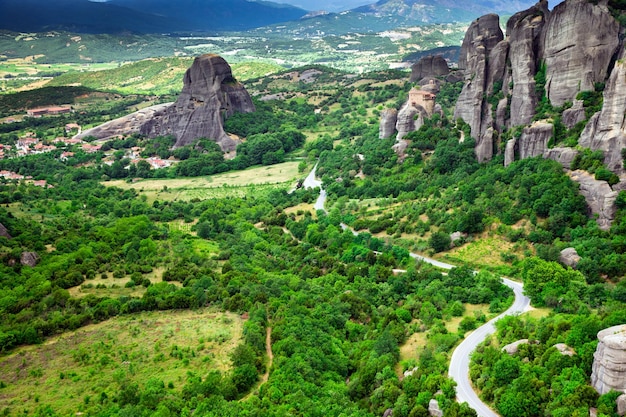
{"x":593,"y":412}
{"x":429,"y":66}
{"x":574,"y":114}
{"x":210,"y":94}
{"x":501,"y":114}
{"x":456,"y":236}
{"x":388,"y":120}
{"x":388,"y":412}
{"x":483,"y":35}
{"x":621,"y":405}
{"x":609,"y":360}
{"x":534,"y":139}
{"x":455,"y":77}
{"x":431,"y":85}
{"x":599,"y":196}
{"x":606,"y":130}
{"x":579,"y":41}
{"x":564,"y":349}
{"x":484,"y":31}
{"x":29,"y":259}
{"x":4,"y":232}
{"x":410,"y":118}
{"x":524,"y":31}
{"x":433,"y":408}
{"x":509,"y":152}
{"x":564,"y":156}
{"x":125,"y":125}
{"x":400,"y":149}
{"x":513,"y":348}
{"x":569,"y":257}
{"x":410,"y":372}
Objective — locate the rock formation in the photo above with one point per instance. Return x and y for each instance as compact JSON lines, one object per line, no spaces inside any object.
{"x":433,"y":409}
{"x":579,"y":41}
{"x":210,"y":94}
{"x":609,"y":360}
{"x":29,"y":259}
{"x":564,"y":349}
{"x":410,"y":118}
{"x":569,"y":257}
{"x":124,"y":125}
{"x":429,"y":66}
{"x":524,"y":32}
{"x":564,"y":156}
{"x":481,"y":38}
{"x":574,"y":114}
{"x":599,"y":196}
{"x":513,"y":348}
{"x":388,"y":120}
{"x":534,"y":140}
{"x":4,"y":232}
{"x":606,"y":130}
{"x":621,"y":405}
{"x":576,"y":45}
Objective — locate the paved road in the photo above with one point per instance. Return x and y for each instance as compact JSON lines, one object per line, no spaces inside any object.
{"x":459,"y":363}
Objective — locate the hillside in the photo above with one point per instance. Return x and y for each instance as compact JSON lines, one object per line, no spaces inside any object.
{"x":139,"y":278}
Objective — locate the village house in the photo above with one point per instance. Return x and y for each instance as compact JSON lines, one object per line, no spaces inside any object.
{"x":89,"y":148}
{"x":65,"y":155}
{"x":72,"y":126}
{"x":25,"y":143}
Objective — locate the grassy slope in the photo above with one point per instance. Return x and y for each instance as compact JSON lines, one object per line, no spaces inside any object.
{"x":101,"y":358}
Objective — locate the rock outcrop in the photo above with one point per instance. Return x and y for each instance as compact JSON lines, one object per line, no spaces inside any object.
{"x":388,"y":120}
{"x":606,"y":130}
{"x":429,"y":66}
{"x":609,"y":361}
{"x":524,"y":31}
{"x":574,"y":114}
{"x":513,"y":348}
{"x":564,"y":156}
{"x":568,"y":50}
{"x":564,"y":349}
{"x":410,"y":118}
{"x":534,"y":140}
{"x":599,"y":196}
{"x":621,"y":405}
{"x":433,"y":409}
{"x":29,"y":259}
{"x":210,"y":95}
{"x":4,"y":232}
{"x":569,"y":257}
{"x":124,"y":125}
{"x":481,"y":38}
{"x":579,"y":41}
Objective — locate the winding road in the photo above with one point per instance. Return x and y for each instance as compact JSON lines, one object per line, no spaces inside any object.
{"x":459,"y":363}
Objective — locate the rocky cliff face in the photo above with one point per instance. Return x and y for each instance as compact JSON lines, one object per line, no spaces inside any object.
{"x":576,"y":45}
{"x":210,"y":94}
{"x":410,"y":118}
{"x":388,"y":119}
{"x":606,"y":130}
{"x":579,"y":41}
{"x":609,"y":360}
{"x":483,"y":35}
{"x":599,"y":196}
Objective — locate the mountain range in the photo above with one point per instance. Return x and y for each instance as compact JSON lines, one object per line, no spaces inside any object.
{"x":189,"y":16}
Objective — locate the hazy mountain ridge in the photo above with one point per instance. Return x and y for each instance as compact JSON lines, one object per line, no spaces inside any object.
{"x":138,"y":16}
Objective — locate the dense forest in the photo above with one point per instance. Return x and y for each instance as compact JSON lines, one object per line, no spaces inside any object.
{"x":339,"y":308}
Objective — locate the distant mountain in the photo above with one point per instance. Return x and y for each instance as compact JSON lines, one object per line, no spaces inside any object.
{"x":141,"y":16}
{"x":437,"y":11}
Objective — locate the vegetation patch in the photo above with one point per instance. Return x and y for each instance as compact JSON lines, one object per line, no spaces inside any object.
{"x":98,"y":361}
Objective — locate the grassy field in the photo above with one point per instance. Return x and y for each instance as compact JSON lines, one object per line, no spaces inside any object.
{"x":71,"y":370}
{"x":237,"y":183}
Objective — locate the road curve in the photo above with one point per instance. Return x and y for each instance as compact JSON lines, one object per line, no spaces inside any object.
{"x":459,"y":363}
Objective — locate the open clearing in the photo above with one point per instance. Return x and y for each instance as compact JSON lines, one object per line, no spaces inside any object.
{"x":234,"y":183}
{"x":69,"y":371}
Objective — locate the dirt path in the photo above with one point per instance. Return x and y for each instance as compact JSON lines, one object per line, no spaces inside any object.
{"x":270,"y":354}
